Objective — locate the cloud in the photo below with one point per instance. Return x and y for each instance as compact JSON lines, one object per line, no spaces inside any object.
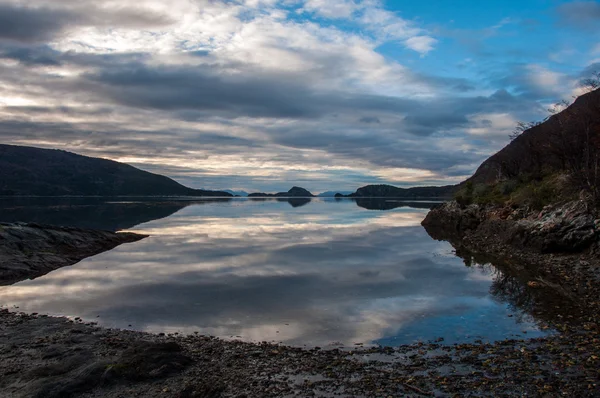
{"x":249,"y":93}
{"x":421,"y":44}
{"x":369,"y":119}
{"x":580,"y":14}
{"x":28,"y":24}
{"x":492,"y":124}
{"x":31,"y":56}
{"x":332,"y":8}
{"x":24,"y":23}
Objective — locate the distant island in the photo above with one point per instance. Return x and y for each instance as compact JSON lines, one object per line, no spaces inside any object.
{"x":331,"y":194}
{"x":29,"y":171}
{"x":389,"y":191}
{"x":242,"y":194}
{"x":294,"y":192}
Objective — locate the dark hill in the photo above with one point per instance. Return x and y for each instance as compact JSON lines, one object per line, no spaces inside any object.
{"x":389,"y":191}
{"x":294,"y":192}
{"x":51,"y":172}
{"x":562,"y":143}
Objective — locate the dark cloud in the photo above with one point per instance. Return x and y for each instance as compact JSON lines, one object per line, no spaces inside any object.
{"x":580,"y":14}
{"x":431,"y":122}
{"x":32,"y":56}
{"x":590,"y":71}
{"x":369,"y":119}
{"x":200,"y":88}
{"x":28,"y":24}
{"x":42,"y":24}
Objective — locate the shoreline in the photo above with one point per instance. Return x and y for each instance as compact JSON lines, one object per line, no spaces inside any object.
{"x":50,"y":357}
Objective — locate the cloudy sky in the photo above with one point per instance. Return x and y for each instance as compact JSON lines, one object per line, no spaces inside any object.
{"x":266,"y":94}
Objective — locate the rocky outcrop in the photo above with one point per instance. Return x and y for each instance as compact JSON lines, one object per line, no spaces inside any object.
{"x":452,"y":220}
{"x":31,"y":250}
{"x":565,"y":228}
{"x":568,"y":228}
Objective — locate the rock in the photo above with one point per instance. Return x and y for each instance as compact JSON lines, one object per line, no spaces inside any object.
{"x":148,"y":360}
{"x":31,"y":250}
{"x":565,"y":228}
{"x":450,"y":220}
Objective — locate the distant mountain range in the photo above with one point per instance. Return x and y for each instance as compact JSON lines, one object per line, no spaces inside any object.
{"x":32,"y":171}
{"x":236,"y":193}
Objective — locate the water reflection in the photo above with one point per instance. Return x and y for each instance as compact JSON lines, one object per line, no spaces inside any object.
{"x":511,"y":284}
{"x":96,"y":213}
{"x":319,"y":274}
{"x":390,"y":204}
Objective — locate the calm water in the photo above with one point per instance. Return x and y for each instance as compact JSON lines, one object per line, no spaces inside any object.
{"x":323,"y":272}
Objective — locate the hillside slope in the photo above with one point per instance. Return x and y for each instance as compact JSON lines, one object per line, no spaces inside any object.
{"x":561,"y":142}
{"x":51,"y":172}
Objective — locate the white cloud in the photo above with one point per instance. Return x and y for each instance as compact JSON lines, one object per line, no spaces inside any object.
{"x":332,"y":8}
{"x":492,"y":125}
{"x":544,"y":78}
{"x":421,"y":44}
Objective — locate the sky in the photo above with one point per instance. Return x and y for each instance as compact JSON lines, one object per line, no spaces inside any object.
{"x":261,"y":95}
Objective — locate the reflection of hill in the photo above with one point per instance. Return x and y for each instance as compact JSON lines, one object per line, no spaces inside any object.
{"x":296,"y":202}
{"x":383,"y":204}
{"x":89,"y":213}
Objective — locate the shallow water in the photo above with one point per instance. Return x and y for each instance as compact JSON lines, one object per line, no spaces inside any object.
{"x":319,"y":273}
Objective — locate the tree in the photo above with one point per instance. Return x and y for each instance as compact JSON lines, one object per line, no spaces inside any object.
{"x":576,"y":142}
{"x":577,"y":145}
{"x":521,"y":127}
{"x":592,"y":83}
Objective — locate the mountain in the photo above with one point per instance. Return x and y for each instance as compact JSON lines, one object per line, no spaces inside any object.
{"x":294,"y":192}
{"x":389,"y":191}
{"x":557,"y":160}
{"x":560,"y":143}
{"x":331,"y":194}
{"x":51,"y":172}
{"x":236,"y":193}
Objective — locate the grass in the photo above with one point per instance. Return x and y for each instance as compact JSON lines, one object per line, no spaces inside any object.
{"x":523,"y":191}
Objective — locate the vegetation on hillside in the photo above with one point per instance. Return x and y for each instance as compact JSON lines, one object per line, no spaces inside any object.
{"x":525,"y":190}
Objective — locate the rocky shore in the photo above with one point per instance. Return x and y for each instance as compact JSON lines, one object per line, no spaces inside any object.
{"x":55,"y":357}
{"x":31,"y":250}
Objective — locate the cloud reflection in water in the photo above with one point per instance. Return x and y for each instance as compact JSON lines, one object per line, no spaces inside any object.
{"x":318,"y":274}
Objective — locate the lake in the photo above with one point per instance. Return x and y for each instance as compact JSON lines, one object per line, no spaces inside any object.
{"x":320,"y":272}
